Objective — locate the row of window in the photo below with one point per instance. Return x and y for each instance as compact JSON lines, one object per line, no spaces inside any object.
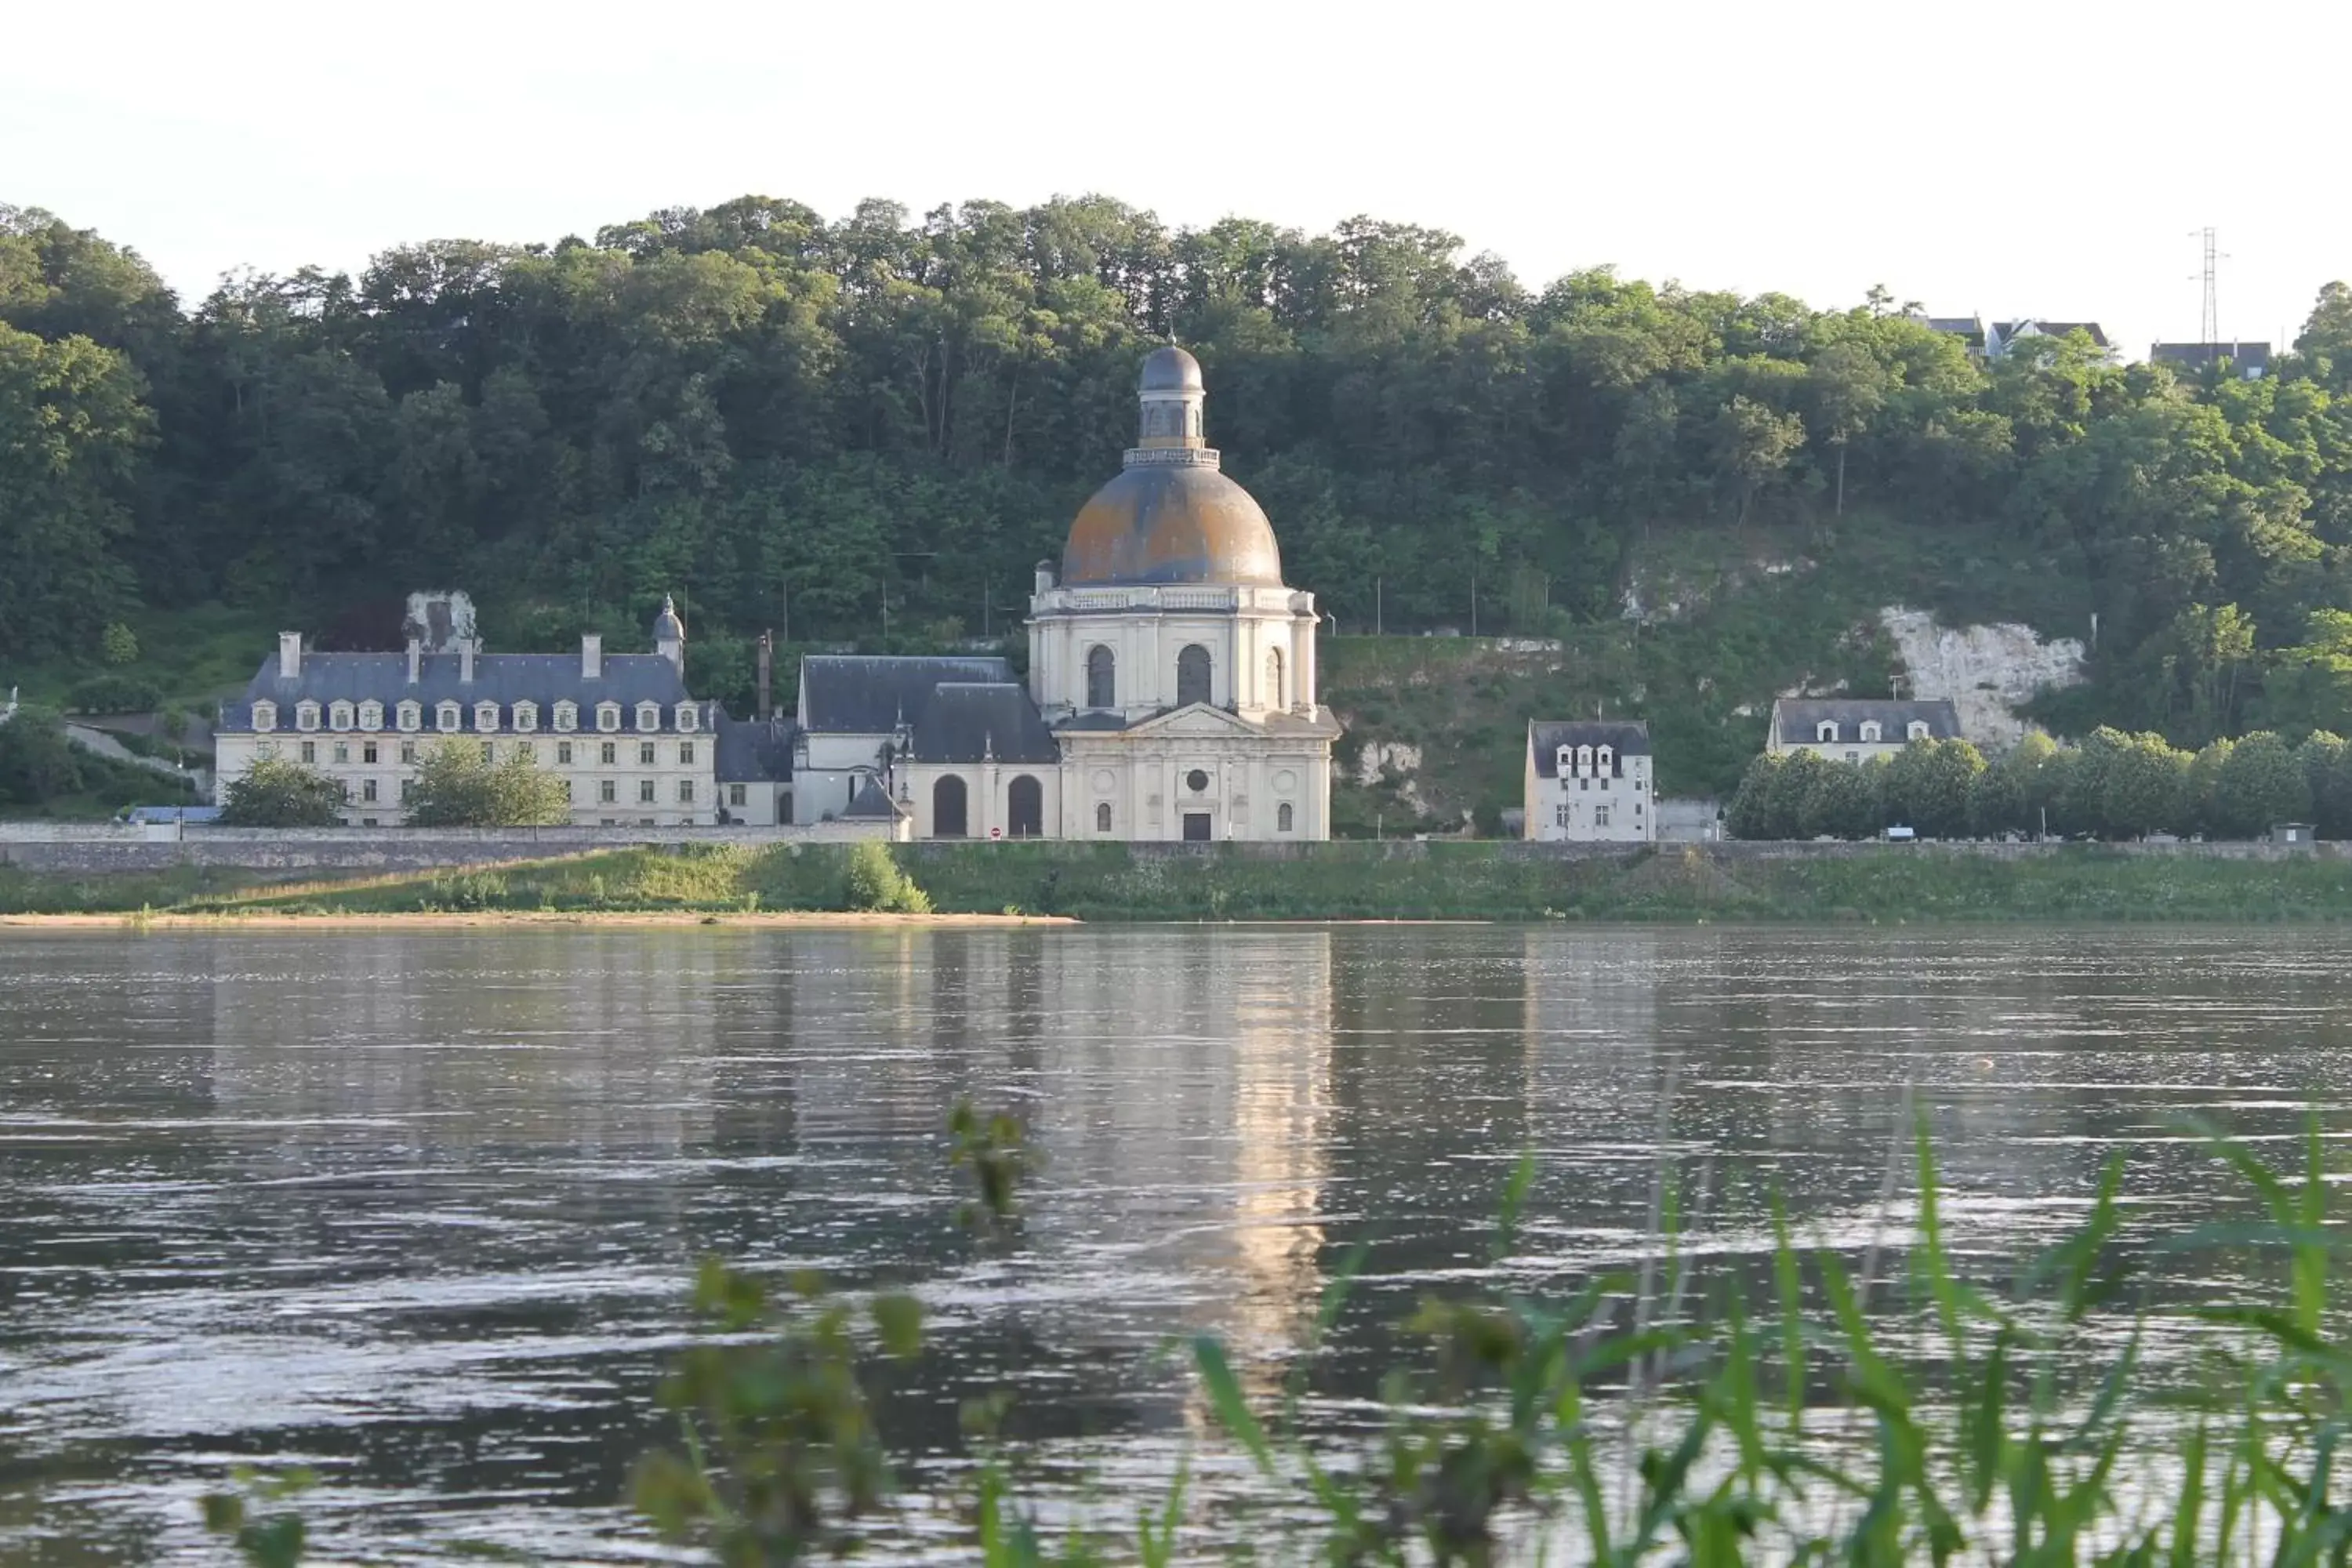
{"x":449,"y":716}
{"x":1872,"y":732}
{"x":1588,"y":759}
{"x":608,"y":791}
{"x":1284,"y":817}
{"x":566,"y":752}
{"x":1561,"y":813}
{"x":1193,"y":677}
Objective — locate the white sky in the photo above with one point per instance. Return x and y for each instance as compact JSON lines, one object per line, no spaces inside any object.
{"x":2049,"y":158}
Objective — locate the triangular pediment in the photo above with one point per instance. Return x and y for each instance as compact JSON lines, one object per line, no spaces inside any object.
{"x":1199,"y":719}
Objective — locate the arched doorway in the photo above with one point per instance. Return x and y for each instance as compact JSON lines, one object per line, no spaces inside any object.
{"x":947,"y":819}
{"x":1024,"y":802}
{"x":1191,"y":675}
{"x":1102,"y":677}
{"x":1274,"y":678}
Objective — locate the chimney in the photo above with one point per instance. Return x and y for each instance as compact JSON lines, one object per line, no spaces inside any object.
{"x":767,"y":673}
{"x":592,"y":656}
{"x":416,"y":660}
{"x":466,"y":650}
{"x":289,"y":655}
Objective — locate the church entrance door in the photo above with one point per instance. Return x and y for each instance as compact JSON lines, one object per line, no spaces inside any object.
{"x":1196,"y":827}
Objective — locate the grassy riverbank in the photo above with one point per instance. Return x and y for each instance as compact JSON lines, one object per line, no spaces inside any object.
{"x":1338,"y":882}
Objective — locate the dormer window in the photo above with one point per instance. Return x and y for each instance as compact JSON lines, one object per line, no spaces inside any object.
{"x":339,"y":716}
{"x":411,"y":716}
{"x":486,"y":716}
{"x":306,"y":715}
{"x":1826,"y":731}
{"x":685,"y":718}
{"x":525,"y":716}
{"x":371,"y":715}
{"x":1607,"y":759}
{"x":608,"y":716}
{"x":648,"y":715}
{"x":1870,"y":729}
{"x":265,"y":716}
{"x":567,"y":717}
{"x":447,"y":717}
{"x":1584,"y":759}
{"x":1917,"y":730}
{"x":1567,"y":761}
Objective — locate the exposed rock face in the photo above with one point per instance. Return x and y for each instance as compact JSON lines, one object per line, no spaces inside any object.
{"x":1987,"y":672}
{"x":1379,"y":756}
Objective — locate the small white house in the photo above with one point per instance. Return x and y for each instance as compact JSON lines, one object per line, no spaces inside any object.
{"x":1589,"y":783}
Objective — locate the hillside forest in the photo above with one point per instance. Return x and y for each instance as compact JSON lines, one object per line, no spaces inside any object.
{"x":830,"y":427}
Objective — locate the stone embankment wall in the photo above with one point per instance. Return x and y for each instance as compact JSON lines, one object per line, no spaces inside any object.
{"x":46,"y":847}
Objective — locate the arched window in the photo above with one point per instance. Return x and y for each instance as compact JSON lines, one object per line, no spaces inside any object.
{"x":1826,"y":730}
{"x":306,"y":715}
{"x":371,"y":715}
{"x":1607,"y":761}
{"x":648,"y":715}
{"x":1583,"y":759}
{"x":339,"y":716}
{"x":947,"y":808}
{"x":409,"y":715}
{"x":445,"y":718}
{"x":608,"y":716}
{"x":686,"y":717}
{"x":1918,"y":730}
{"x":1870,"y":729}
{"x":1102,"y":816}
{"x":525,"y":716}
{"x":1191,"y":675}
{"x":1025,"y":808}
{"x":567,"y":717}
{"x":1102,"y":677}
{"x":1567,"y":761}
{"x":1283,"y":817}
{"x":1274,"y":678}
{"x":486,"y":716}
{"x":265,"y":716}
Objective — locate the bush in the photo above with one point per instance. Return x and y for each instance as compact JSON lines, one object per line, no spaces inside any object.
{"x":276,"y":793}
{"x":36,"y":760}
{"x":113,"y":694}
{"x":873,"y":883}
{"x":457,"y":786}
{"x":118,"y":644}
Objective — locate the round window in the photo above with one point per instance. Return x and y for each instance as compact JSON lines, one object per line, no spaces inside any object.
{"x":1197,"y":781}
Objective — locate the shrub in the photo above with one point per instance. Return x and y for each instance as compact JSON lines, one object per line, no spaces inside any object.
{"x":118,"y":644}
{"x":873,"y":883}
{"x":113,"y":694}
{"x":276,"y":793}
{"x":457,"y":786}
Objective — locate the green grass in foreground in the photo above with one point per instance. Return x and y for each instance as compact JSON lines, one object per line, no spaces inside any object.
{"x":1676,"y":884}
{"x":1868,"y":1406}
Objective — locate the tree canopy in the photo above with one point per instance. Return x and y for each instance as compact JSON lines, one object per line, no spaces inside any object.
{"x":796,"y":421}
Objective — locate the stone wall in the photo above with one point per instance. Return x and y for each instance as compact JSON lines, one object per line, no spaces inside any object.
{"x":47,"y":847}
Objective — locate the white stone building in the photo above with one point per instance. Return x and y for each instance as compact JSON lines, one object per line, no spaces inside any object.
{"x":1857,"y":729}
{"x":632,"y":746}
{"x":1589,"y":783}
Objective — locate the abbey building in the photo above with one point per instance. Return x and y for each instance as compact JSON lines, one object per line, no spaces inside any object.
{"x":1170,"y":694}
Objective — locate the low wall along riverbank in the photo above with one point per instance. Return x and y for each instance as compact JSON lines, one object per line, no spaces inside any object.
{"x":1395,"y":880}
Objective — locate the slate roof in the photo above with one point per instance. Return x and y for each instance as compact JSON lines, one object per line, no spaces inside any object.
{"x":1967,"y":328}
{"x":505,"y":678}
{"x":2246,"y":359}
{"x":1796,"y":721}
{"x":964,"y":722}
{"x":1626,"y":736}
{"x":2006,"y":331}
{"x":872,"y":694}
{"x":750,"y":751}
{"x":869,"y":802}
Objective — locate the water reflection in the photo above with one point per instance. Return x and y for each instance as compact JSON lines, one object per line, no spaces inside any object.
{"x":420,"y":1206}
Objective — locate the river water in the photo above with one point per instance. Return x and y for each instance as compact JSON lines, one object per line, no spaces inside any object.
{"x":419,"y":1208}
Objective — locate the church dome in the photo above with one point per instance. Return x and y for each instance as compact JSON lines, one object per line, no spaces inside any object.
{"x":1171,"y":516}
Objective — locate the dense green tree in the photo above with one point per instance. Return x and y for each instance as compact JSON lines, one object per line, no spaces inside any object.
{"x":37,"y":761}
{"x":457,"y":785}
{"x":278,"y":793}
{"x":72,"y":429}
{"x":2260,"y":783}
{"x":2326,"y":765}
{"x":1929,"y":786}
{"x":1844,"y":801}
{"x":1751,"y":814}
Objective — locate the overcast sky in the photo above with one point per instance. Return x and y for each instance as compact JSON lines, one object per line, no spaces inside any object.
{"x":2048,"y":159}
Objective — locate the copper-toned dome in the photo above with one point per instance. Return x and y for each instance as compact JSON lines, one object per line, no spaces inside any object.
{"x":1171,"y":523}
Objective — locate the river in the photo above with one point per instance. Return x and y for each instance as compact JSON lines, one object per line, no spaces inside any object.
{"x":419,"y":1208}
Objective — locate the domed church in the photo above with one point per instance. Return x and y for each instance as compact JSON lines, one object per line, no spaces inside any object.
{"x":1174,"y":667}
